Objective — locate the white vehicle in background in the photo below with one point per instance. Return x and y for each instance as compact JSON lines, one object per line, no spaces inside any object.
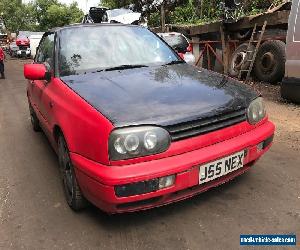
{"x":181,"y":44}
{"x":290,"y":88}
{"x":24,"y":52}
{"x":125,"y":16}
{"x":105,"y":15}
{"x":34,"y":43}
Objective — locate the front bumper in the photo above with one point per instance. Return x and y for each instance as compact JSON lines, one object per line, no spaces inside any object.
{"x":98,"y":181}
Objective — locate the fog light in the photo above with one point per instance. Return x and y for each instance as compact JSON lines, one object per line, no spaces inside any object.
{"x":165,"y":182}
{"x":137,"y":188}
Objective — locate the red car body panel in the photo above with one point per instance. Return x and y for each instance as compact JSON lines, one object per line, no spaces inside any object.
{"x":113,"y":175}
{"x":58,"y":106}
{"x":98,"y":180}
{"x":195,"y":143}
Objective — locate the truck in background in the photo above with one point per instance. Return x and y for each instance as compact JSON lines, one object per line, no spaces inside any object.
{"x":290,"y":87}
{"x":34,"y":43}
{"x":222,"y":45}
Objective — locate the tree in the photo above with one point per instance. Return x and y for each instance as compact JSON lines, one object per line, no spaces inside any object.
{"x":147,"y":7}
{"x":143,"y":5}
{"x":39,"y":15}
{"x":55,"y":16}
{"x":75,"y":13}
{"x":51,"y":13}
{"x":16,"y":15}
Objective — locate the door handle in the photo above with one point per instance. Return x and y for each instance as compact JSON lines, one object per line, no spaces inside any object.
{"x":51,"y":104}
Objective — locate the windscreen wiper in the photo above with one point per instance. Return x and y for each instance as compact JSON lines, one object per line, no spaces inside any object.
{"x":175,"y":62}
{"x":126,"y":66}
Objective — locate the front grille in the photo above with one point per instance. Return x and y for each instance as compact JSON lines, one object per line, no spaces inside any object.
{"x":206,"y":125}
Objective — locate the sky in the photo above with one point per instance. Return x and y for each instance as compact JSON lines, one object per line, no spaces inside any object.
{"x":83,"y":4}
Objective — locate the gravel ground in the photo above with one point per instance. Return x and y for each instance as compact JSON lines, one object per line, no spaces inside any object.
{"x":284,"y":114}
{"x":34,"y":214}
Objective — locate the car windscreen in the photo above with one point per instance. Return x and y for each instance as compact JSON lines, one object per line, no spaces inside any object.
{"x":177,"y":42}
{"x":96,"y":48}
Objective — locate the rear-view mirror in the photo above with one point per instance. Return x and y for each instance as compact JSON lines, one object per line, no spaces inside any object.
{"x":35,"y":72}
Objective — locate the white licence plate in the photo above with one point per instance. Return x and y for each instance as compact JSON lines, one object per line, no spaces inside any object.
{"x":221,"y":167}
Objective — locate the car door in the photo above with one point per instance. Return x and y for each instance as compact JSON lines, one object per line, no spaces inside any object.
{"x":34,"y":86}
{"x":42,"y":99}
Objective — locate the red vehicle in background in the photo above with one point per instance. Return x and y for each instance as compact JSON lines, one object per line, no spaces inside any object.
{"x":22,"y":40}
{"x":23,"y":44}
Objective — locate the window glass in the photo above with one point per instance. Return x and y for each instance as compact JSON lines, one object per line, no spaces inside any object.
{"x":177,"y":42}
{"x":84,"y":49}
{"x":45,"y":51}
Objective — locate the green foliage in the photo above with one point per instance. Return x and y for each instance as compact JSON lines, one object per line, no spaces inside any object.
{"x":188,"y":11}
{"x":39,"y":15}
{"x":109,"y":4}
{"x":16,"y":15}
{"x":183,"y":14}
{"x":154,"y":19}
{"x":58,"y":15}
{"x":114,"y":4}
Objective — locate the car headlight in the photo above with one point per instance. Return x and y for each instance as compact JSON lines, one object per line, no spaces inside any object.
{"x":126,"y":143}
{"x":256,"y":111}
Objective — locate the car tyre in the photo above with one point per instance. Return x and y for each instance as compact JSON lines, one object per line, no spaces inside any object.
{"x":270,"y":61}
{"x":238,"y":56}
{"x":73,"y":194}
{"x":34,"y":120}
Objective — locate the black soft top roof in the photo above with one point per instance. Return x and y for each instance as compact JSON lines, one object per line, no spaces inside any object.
{"x":79,"y":25}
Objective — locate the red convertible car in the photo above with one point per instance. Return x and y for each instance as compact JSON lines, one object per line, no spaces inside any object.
{"x":133,"y":125}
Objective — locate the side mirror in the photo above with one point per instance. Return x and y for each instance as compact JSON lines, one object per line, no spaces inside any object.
{"x":35,"y":72}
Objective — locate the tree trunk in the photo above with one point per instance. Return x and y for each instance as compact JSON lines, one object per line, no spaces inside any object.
{"x":197,"y":5}
{"x":209,"y":9}
{"x":163,"y":17}
{"x":201,"y":8}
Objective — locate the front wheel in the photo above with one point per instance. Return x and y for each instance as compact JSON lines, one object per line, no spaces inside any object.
{"x":34,"y":120}
{"x":72,"y":191}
